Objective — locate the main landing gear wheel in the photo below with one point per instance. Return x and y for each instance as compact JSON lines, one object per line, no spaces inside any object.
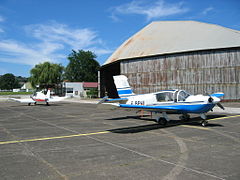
{"x":204,"y":123}
{"x":162,"y":121}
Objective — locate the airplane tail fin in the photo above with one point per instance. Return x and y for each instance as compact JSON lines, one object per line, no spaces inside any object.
{"x":122,"y":85}
{"x":48,"y":93}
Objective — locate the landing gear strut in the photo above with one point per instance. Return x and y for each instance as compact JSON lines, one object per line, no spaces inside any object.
{"x":204,"y":122}
{"x":184,"y":117}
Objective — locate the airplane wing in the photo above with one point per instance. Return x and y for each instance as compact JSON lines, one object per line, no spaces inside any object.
{"x":155,"y":108}
{"x":29,"y":100}
{"x":56,"y":99}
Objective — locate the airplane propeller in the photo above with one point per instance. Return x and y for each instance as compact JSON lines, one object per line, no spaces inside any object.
{"x":210,"y":100}
{"x":220,"y":105}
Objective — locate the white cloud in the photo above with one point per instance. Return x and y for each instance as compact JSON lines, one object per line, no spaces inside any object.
{"x":61,"y":33}
{"x":101,"y":51}
{"x":15,"y":52}
{"x":157,"y":9}
{"x":207,"y":10}
{"x":49,"y":42}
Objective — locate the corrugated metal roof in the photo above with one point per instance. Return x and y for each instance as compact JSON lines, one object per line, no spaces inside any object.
{"x":165,"y":37}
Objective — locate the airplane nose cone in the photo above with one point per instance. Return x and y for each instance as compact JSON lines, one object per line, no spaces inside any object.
{"x":215,"y":100}
{"x":210,"y":99}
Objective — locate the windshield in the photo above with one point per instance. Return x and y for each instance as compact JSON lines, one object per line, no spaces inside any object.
{"x":182,"y":95}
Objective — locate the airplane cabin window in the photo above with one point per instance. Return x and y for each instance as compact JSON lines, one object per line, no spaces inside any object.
{"x":164,"y":97}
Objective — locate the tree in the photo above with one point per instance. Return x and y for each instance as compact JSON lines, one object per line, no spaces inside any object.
{"x":46,"y":75}
{"x":8,"y":81}
{"x":82,"y":67}
{"x":21,"y":79}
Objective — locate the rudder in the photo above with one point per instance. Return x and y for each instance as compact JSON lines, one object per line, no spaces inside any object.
{"x":48,"y":93}
{"x":122,"y":85}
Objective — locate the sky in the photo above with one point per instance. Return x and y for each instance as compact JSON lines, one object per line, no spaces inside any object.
{"x":35,"y":31}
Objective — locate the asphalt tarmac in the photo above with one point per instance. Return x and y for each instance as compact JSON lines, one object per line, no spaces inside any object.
{"x":81,"y":141}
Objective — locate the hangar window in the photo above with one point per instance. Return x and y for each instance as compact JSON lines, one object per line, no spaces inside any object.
{"x":164,"y":96}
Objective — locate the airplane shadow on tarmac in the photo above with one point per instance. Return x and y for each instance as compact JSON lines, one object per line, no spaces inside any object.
{"x":172,"y":123}
{"x":37,"y":105}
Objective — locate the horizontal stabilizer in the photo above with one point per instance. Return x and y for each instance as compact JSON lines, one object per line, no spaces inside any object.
{"x":117,"y":100}
{"x":104,"y":99}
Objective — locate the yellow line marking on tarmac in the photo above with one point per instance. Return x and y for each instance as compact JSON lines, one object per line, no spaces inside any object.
{"x":50,"y":138}
{"x":101,"y":132}
{"x":214,"y":119}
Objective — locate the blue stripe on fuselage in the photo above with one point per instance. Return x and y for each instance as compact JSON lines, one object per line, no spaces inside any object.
{"x":178,"y":108}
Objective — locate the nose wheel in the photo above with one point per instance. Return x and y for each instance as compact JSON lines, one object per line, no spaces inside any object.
{"x":204,"y":123}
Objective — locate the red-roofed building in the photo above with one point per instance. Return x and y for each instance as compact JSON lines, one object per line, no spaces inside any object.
{"x":90,"y":85}
{"x":81,"y":89}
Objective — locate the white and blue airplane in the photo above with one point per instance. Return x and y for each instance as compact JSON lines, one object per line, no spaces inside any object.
{"x":164,"y":102}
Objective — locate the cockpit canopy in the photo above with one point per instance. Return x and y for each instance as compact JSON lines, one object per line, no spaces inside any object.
{"x":182,"y":95}
{"x":172,"y":95}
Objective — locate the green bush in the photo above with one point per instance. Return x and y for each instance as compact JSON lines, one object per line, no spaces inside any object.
{"x":15,"y":93}
{"x":92,"y":93}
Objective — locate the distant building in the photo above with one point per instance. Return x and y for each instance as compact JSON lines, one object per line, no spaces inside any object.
{"x":79,"y":89}
{"x":90,"y":89}
{"x":190,"y":55}
{"x":27,"y":87}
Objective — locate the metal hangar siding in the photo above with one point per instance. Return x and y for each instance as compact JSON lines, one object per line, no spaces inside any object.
{"x":206,"y":60}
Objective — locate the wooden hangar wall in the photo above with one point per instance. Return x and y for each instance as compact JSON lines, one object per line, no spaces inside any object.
{"x":197,"y":72}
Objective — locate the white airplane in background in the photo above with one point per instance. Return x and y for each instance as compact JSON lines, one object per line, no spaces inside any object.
{"x":165,"y":102}
{"x":40,"y":97}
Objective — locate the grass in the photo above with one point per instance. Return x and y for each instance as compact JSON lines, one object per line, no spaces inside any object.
{"x":15,"y":93}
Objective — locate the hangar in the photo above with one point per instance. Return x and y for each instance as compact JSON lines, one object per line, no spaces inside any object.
{"x":190,"y":55}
